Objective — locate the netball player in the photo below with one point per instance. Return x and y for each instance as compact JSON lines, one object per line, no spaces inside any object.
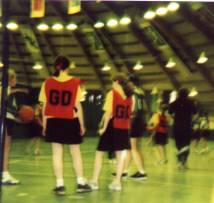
{"x":114,"y":134}
{"x":63,"y":121}
{"x":7,"y":178}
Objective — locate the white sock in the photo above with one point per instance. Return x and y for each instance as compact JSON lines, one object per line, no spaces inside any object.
{"x":5,"y":174}
{"x":81,"y":181}
{"x":59,"y":182}
{"x":142,"y":171}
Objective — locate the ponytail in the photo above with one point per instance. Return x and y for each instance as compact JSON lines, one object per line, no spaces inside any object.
{"x":125,"y":84}
{"x":61,"y":63}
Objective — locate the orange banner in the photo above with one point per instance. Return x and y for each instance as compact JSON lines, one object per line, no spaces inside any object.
{"x":37,"y":8}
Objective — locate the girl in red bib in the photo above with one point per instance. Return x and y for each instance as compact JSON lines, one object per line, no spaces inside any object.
{"x":63,"y":121}
{"x":159,"y":123}
{"x":114,"y":133}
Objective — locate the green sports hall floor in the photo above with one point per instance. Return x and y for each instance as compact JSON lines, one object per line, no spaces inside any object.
{"x":165,"y":184}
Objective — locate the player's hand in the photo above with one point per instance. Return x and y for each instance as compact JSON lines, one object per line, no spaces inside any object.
{"x":101,"y":131}
{"x":82,"y":130}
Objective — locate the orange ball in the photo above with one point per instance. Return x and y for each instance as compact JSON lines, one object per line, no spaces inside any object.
{"x":26,"y":114}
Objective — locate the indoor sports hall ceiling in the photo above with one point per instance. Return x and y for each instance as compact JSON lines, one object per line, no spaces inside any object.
{"x":180,"y":36}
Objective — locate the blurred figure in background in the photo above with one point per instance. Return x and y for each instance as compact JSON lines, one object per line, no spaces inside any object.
{"x":35,"y":133}
{"x":138,"y":128}
{"x":12,"y":113}
{"x":159,"y":124}
{"x":182,"y":109}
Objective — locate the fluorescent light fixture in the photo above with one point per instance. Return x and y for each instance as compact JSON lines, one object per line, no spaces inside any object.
{"x":57,"y":27}
{"x":125,"y":20}
{"x":106,"y":67}
{"x":1,"y":64}
{"x":171,"y":63}
{"x":43,"y":27}
{"x":112,"y":23}
{"x":161,"y":11}
{"x":172,"y":96}
{"x":138,"y":66}
{"x":99,"y":24}
{"x":37,"y":66}
{"x":173,"y":6}
{"x":72,"y":65}
{"x":149,"y":15}
{"x":72,"y":26}
{"x":193,"y":92}
{"x":154,"y":91}
{"x":12,"y":26}
{"x":202,"y":58}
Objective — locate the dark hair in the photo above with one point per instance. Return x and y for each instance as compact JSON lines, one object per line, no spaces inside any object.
{"x":135,"y":80}
{"x":163,"y":107}
{"x":125,"y":83}
{"x":61,"y":63}
{"x":183,"y":93}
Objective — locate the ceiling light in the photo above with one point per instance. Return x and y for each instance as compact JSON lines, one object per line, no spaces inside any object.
{"x":12,"y":26}
{"x":149,"y":15}
{"x":161,"y":11}
{"x":112,"y":23}
{"x":99,"y":24}
{"x":170,"y":64}
{"x":202,"y":58}
{"x":125,"y":21}
{"x":154,"y":91}
{"x":106,"y":67}
{"x":1,"y":64}
{"x":0,"y":25}
{"x":173,"y":6}
{"x":172,"y":96}
{"x":138,"y":66}
{"x":72,"y":65}
{"x":71,"y":26}
{"x":42,"y":27}
{"x":57,"y":27}
{"x":37,"y":66}
{"x":193,"y":92}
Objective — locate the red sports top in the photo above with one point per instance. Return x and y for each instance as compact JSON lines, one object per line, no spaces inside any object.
{"x":121,"y":111}
{"x":61,"y":97}
{"x":162,"y":124}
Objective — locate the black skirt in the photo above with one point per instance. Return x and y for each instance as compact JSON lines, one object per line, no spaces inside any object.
{"x":160,"y":138}
{"x":9,"y":123}
{"x":138,"y":127}
{"x":63,"y":131}
{"x":114,"y":139}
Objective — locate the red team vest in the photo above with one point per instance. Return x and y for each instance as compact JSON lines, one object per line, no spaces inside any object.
{"x":162,"y":124}
{"x":61,"y":97}
{"x":121,"y":111}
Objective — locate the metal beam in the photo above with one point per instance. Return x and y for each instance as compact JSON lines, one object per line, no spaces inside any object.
{"x":195,"y":19}
{"x":100,"y":33}
{"x":146,"y":42}
{"x":80,"y":42}
{"x":20,"y":57}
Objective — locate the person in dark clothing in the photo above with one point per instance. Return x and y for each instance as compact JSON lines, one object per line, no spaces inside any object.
{"x":183,"y":108}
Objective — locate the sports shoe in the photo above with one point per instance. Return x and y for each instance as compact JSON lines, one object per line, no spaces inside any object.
{"x":124,"y":175}
{"x":59,"y":190}
{"x":115,"y":186}
{"x":10,"y":180}
{"x":93,"y":185}
{"x":139,"y":176}
{"x":83,"y":188}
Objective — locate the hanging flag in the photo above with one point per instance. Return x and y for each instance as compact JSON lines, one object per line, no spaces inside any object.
{"x":37,"y":8}
{"x":74,"y":6}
